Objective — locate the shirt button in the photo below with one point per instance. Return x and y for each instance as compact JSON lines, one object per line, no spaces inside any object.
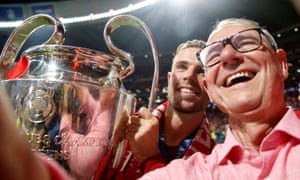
{"x":246,"y":153}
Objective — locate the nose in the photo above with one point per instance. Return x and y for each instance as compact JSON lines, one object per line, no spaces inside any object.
{"x":190,"y":74}
{"x":229,"y":56}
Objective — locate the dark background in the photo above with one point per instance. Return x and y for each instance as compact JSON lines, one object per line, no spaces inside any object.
{"x":171,"y":23}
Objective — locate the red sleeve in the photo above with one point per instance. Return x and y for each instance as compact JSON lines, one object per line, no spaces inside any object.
{"x":298,"y":113}
{"x":154,"y":162}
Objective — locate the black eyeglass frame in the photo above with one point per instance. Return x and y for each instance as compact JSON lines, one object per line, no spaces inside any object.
{"x":228,"y":40}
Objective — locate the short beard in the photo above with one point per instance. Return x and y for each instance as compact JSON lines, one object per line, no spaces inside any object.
{"x":177,"y":107}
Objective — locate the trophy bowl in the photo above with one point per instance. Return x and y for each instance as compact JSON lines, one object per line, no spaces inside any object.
{"x":67,"y":103}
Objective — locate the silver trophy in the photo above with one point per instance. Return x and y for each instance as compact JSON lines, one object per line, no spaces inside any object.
{"x":69,"y":101}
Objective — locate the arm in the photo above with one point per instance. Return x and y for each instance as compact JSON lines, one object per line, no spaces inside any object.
{"x":17,"y":160}
{"x":142,"y":135}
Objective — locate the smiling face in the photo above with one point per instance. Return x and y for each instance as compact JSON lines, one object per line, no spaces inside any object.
{"x":249,"y":82}
{"x":185,"y":93}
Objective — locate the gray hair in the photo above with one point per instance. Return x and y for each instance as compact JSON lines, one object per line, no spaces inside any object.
{"x":242,"y":21}
{"x":191,"y":44}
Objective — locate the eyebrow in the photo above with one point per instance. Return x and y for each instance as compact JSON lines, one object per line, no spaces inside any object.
{"x":183,"y":61}
{"x":186,"y":62}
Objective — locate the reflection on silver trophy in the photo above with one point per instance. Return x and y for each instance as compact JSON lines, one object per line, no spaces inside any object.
{"x":70,"y":101}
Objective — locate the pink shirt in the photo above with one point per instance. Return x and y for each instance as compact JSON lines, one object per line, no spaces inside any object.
{"x":278,"y":158}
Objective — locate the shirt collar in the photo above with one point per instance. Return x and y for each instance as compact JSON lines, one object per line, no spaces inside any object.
{"x":229,"y":144}
{"x":289,"y":124}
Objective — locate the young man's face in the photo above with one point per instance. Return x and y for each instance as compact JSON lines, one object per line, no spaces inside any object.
{"x":185,"y":92}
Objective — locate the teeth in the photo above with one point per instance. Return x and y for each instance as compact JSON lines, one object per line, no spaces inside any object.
{"x":186,"y":90}
{"x":239,"y":75}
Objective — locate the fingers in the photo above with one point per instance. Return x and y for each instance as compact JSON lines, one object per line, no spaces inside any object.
{"x":140,"y":124}
{"x":144,"y":113}
{"x":120,"y":127}
{"x":126,"y":126}
{"x":142,"y":134}
{"x":133,"y":125}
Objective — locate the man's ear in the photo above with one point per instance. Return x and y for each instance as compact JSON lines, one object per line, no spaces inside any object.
{"x":204,"y":84}
{"x":169,"y":76}
{"x":283,"y":62}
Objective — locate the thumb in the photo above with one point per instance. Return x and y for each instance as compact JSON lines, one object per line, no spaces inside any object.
{"x":144,"y":113}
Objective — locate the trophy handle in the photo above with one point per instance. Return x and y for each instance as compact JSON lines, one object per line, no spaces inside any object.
{"x":128,"y":20}
{"x":19,"y":36}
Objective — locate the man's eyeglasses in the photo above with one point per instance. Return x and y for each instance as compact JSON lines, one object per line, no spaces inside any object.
{"x":243,"y":41}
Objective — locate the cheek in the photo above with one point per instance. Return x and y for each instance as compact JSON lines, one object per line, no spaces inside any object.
{"x":199,"y":80}
{"x":173,"y":80}
{"x":171,"y":84}
{"x":211,"y":90}
{"x":210,"y":77}
{"x":211,"y":87}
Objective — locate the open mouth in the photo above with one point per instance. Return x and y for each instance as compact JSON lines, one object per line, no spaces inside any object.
{"x":238,"y":78}
{"x":188,"y":91}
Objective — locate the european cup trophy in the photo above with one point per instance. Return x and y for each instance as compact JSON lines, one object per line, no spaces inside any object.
{"x":70,"y":101}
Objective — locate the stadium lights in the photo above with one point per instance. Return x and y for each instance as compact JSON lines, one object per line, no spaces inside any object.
{"x":90,"y":17}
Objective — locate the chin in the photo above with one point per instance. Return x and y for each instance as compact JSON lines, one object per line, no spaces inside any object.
{"x":246,"y":108}
{"x":190,"y":107}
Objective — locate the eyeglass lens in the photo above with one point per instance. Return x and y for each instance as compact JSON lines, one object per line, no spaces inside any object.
{"x":244,"y":41}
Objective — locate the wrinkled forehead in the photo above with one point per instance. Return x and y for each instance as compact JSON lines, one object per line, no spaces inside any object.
{"x":226,"y":31}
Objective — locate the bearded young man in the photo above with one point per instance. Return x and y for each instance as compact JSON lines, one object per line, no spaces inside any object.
{"x":175,"y":129}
